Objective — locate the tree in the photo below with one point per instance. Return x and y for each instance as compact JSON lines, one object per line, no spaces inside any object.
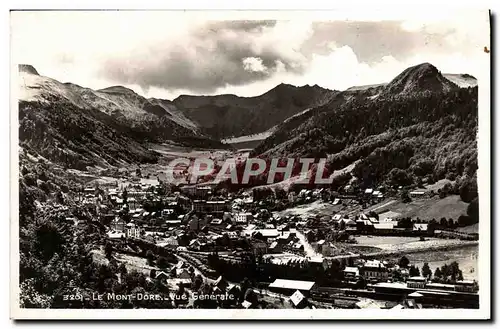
{"x":405,"y":222}
{"x":59,"y":197}
{"x":431,"y":226}
{"x":150,"y":257}
{"x":426,"y":271}
{"x":396,"y":276}
{"x":468,"y":190}
{"x":125,"y":195}
{"x":245,"y":284}
{"x":464,"y":221}
{"x":447,"y":188}
{"x":451,"y":224}
{"x":162,"y":262}
{"x":414,"y":271}
{"x":400,"y":177}
{"x":335,"y":270}
{"x":24,"y":170}
{"x":437,"y":274}
{"x":250,"y":296}
{"x":197,"y":282}
{"x":473,"y":210}
{"x":454,"y":271}
{"x":108,"y":250}
{"x":361,"y":283}
{"x":180,"y":291}
{"x":404,"y":262}
{"x":122,"y":269}
{"x":152,"y":273}
{"x":405,"y":196}
{"x":441,"y":193}
{"x":48,"y":239}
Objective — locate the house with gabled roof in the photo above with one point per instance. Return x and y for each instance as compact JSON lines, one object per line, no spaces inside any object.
{"x":298,"y":299}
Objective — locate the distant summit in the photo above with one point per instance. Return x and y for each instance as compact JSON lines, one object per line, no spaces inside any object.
{"x":26,"y":68}
{"x":117,"y":90}
{"x":419,"y":78}
{"x":224,"y":116}
{"x":463,"y":80}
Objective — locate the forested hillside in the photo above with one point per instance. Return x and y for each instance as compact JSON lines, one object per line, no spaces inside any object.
{"x":400,"y":134}
{"x":226,"y":116}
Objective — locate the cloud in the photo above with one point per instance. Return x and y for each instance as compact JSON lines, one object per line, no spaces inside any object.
{"x":254,"y":64}
{"x":209,"y":57}
{"x":164,"y":54}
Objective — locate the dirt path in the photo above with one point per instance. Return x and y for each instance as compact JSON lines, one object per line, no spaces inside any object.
{"x":384,"y":205}
{"x":308,"y":249}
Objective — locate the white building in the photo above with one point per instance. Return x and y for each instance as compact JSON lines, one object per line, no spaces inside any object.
{"x":133,"y":231}
{"x":242,"y":217}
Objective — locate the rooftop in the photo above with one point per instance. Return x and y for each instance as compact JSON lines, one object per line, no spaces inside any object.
{"x":396,"y":285}
{"x":292,"y":284}
{"x":351,"y":269}
{"x":297,"y":297}
{"x":383,"y":226}
{"x":268,"y":232}
{"x":369,"y":304}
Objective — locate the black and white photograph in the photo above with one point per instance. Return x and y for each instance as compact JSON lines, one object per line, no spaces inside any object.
{"x":216,"y":164}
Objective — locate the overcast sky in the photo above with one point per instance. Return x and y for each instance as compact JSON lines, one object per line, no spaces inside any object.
{"x":165,"y":54}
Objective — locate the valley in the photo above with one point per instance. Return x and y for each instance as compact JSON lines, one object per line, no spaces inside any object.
{"x":96,"y":193}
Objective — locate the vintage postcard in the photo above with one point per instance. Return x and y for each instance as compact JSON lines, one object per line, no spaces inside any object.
{"x":250,"y":164}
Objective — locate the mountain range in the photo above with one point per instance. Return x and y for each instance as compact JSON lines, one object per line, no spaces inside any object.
{"x":429,"y":115}
{"x":419,"y":125}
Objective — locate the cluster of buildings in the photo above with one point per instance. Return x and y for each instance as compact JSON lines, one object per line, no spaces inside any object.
{"x":195,"y":219}
{"x":189,"y":219}
{"x":366,"y":224}
{"x":408,"y":292}
{"x":375,"y":271}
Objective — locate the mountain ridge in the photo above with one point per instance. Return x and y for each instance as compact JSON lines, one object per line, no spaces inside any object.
{"x":80,"y":127}
{"x":226,"y":116}
{"x":120,"y":102}
{"x":406,"y":125}
{"x":419,"y":78}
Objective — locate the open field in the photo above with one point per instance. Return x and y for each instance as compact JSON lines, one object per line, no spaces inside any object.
{"x":474,"y":228}
{"x":466,"y":257}
{"x":287,"y":183}
{"x":311,"y":209}
{"x":383,"y":242}
{"x":249,"y":138}
{"x":250,"y":144}
{"x":434,"y":251}
{"x":426,"y":208}
{"x":438,"y":185}
{"x":170,"y":152}
{"x":403,"y":243}
{"x":98,"y":257}
{"x":175,"y":151}
{"x":350,"y":248}
{"x":134,"y":263}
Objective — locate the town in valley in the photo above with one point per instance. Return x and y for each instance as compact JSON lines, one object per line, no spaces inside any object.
{"x":379,"y":208}
{"x":327,"y":247}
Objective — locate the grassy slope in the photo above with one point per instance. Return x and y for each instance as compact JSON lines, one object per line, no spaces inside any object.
{"x":426,"y":209}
